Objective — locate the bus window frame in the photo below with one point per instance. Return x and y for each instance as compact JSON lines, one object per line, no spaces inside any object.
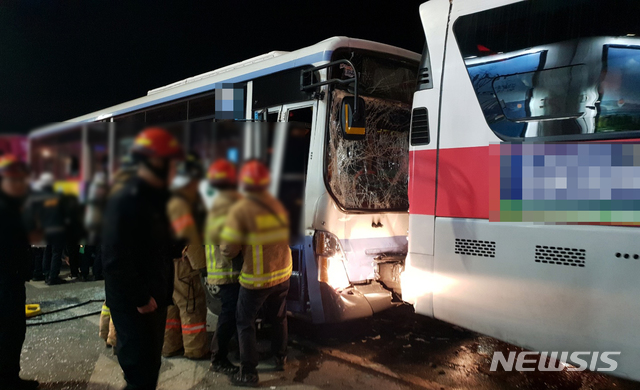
{"x":325,"y":145}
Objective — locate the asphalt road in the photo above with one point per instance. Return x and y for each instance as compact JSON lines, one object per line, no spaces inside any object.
{"x":394,"y":350}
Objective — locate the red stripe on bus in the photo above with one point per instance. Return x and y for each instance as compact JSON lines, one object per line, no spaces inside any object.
{"x":469,"y":178}
{"x":463,"y":183}
{"x":422,"y":183}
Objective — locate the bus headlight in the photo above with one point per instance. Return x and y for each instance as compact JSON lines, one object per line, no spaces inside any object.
{"x":331,"y":267}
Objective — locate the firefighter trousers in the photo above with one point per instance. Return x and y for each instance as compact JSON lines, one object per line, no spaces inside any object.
{"x":226,"y":321}
{"x":186,"y":326}
{"x":274,"y":301}
{"x":140,"y":338}
{"x":107,"y":330}
{"x":13,"y":328}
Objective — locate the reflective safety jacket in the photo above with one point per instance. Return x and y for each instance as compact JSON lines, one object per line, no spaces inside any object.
{"x":220,"y":270}
{"x":258,"y":225}
{"x":182,"y":210}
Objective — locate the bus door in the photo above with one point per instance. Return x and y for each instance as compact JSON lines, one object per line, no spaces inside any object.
{"x":288,"y":143}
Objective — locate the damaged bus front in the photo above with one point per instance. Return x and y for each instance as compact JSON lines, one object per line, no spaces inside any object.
{"x":360,"y":220}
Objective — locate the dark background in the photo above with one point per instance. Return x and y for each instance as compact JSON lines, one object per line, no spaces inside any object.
{"x":62,"y":59}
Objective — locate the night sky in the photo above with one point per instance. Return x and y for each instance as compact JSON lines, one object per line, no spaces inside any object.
{"x":62,"y":59}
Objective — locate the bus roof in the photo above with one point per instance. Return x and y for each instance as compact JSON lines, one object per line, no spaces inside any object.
{"x":252,"y":68}
{"x":467,"y":6}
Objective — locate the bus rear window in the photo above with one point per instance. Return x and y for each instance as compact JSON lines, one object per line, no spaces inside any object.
{"x":548,"y":68}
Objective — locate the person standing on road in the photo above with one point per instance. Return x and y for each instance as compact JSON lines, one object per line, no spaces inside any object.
{"x":51,"y":220}
{"x":222,"y":272}
{"x":74,"y":232}
{"x":258,"y":226}
{"x":93,"y":217}
{"x":127,"y":170}
{"x":138,"y":253}
{"x":15,"y":270}
{"x":186,"y":329}
{"x":32,"y":209}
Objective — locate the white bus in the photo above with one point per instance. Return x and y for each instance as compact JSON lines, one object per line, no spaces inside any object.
{"x":345,"y":186}
{"x":534,"y":76}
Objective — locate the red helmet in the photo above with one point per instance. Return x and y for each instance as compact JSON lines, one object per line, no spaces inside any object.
{"x":157,"y":142}
{"x":222,"y":172}
{"x":255,"y":176}
{"x":10,"y":166}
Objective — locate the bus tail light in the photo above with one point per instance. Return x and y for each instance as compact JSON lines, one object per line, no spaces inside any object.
{"x":331,"y":267}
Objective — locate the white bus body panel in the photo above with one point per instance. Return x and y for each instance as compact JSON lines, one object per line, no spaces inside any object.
{"x":543,"y":307}
{"x":540,"y":306}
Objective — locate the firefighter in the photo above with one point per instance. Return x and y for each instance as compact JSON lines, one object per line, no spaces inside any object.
{"x":138,"y":252}
{"x":222,"y":272}
{"x":16,"y":262}
{"x":258,"y":226}
{"x":107,"y":331}
{"x":186,"y":328}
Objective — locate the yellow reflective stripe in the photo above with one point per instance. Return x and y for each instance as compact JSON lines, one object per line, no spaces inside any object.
{"x":231,"y":235}
{"x":213,"y":272}
{"x":216,"y":222}
{"x":256,"y":252}
{"x":105,"y":311}
{"x":219,"y":220}
{"x":273,"y":236}
{"x":223,"y":275}
{"x":266,"y":278}
{"x":211,"y":257}
{"x":270,"y":221}
{"x":268,"y":237}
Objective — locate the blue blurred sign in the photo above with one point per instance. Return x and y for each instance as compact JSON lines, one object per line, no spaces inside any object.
{"x":232,"y":155}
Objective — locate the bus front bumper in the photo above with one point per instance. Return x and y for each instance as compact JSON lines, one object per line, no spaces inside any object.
{"x":358,"y":301}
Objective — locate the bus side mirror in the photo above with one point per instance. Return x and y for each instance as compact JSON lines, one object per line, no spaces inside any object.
{"x":353,"y":118}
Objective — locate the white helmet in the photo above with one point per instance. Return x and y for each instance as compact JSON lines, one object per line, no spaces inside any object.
{"x":100,"y":178}
{"x":46,"y":179}
{"x":180,"y":181}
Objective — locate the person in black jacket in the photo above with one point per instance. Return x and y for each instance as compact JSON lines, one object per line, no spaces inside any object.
{"x":50,"y":218}
{"x":31,"y":213}
{"x":15,"y":269}
{"x":138,"y":253}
